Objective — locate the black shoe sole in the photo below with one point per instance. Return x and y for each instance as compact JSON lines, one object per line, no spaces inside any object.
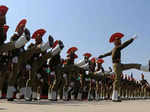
{"x":10,"y":99}
{"x":116,"y":100}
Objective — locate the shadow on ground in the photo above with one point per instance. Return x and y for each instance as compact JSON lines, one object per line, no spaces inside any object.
{"x":65,"y":103}
{"x":3,"y":109}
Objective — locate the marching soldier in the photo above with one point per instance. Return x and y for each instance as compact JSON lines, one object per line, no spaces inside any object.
{"x":39,"y":59}
{"x":17,"y":57}
{"x":32,"y":81}
{"x":103,"y":81}
{"x":4,"y":56}
{"x":69,"y":71}
{"x":99,"y":77}
{"x":55,"y":76}
{"x":124,"y":85}
{"x":117,"y":65}
{"x":144,"y":85}
{"x":83,"y":77}
{"x":91,"y":92}
{"x":4,"y":59}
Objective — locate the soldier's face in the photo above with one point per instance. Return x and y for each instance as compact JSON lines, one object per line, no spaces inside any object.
{"x":99,"y":64}
{"x":86,"y":58}
{"x":21,"y":30}
{"x":38,"y":40}
{"x":117,"y":42}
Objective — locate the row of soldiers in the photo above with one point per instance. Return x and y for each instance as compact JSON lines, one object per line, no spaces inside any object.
{"x":87,"y":79}
{"x":28,"y":71}
{"x":15,"y":59}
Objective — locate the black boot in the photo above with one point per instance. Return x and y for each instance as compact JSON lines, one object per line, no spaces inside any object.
{"x":10,"y":99}
{"x":53,"y":99}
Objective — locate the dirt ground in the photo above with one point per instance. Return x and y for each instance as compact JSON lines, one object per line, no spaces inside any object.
{"x":75,"y":106}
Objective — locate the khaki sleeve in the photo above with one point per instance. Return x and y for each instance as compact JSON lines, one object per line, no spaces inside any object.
{"x":105,"y":55}
{"x":125,"y":44}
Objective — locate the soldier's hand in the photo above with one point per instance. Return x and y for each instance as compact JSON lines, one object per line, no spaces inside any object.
{"x":110,"y":69}
{"x":27,"y":33}
{"x":134,"y":37}
{"x":51,"y":40}
{"x":61,"y":44}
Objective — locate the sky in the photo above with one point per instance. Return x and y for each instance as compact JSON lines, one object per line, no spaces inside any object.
{"x":88,"y":25}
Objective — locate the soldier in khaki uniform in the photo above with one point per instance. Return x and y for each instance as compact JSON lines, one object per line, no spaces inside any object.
{"x":83,"y":79}
{"x":36,"y":56}
{"x":56,"y":77}
{"x":144,"y":85}
{"x":103,"y":81}
{"x":43,"y":59}
{"x":124,"y":85}
{"x":39,"y":59}
{"x":99,"y":78}
{"x":3,"y":55}
{"x":84,"y":76}
{"x":4,"y":58}
{"x":32,"y":53}
{"x":137,"y":90}
{"x":109,"y":81}
{"x":117,"y":65}
{"x":17,"y":57}
{"x":69,"y":71}
{"x":92,"y":86}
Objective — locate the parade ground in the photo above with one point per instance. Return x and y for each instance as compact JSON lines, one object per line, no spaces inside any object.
{"x":75,"y":106}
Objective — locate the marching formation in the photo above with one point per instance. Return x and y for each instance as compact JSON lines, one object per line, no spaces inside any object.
{"x":40,"y":70}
